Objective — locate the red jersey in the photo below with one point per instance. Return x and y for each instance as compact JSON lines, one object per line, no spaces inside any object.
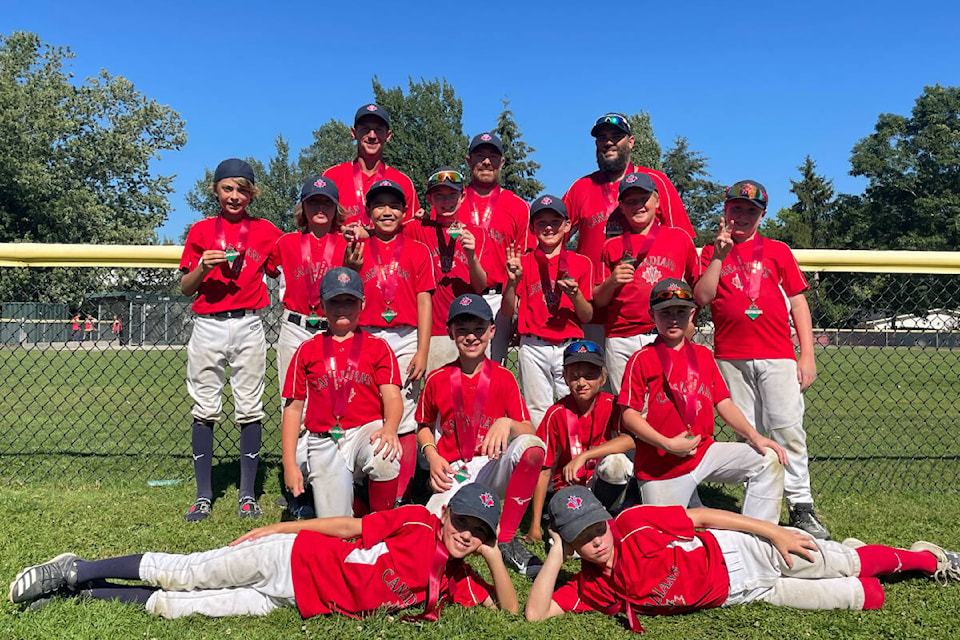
{"x":672,"y":255}
{"x":591,"y":201}
{"x":303,"y":270}
{"x":394,"y":288}
{"x":504,"y":216}
{"x":388,"y":566}
{"x":643,"y":390}
{"x":449,"y":266}
{"x":591,"y":430}
{"x":662,"y":567}
{"x":738,"y":337}
{"x":543,"y":310}
{"x":353,"y":184}
{"x":437,"y":406}
{"x":310,"y":376}
{"x":241,"y":285}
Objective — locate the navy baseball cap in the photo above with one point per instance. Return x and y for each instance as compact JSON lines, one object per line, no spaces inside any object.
{"x":445,"y":177}
{"x":372,"y":110}
{"x":341,"y":280}
{"x":671,"y":292}
{"x":386,"y":185}
{"x":613,"y":118}
{"x":547,"y":201}
{"x":486,"y":138}
{"x":319,"y":186}
{"x":477,"y":500}
{"x":573,"y":509}
{"x":638,"y":180}
{"x":233,"y":168}
{"x":470,"y":304}
{"x":750,"y":190}
{"x":584,"y":351}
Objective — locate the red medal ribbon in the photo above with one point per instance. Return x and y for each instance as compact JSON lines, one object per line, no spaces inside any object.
{"x":546,"y":283}
{"x":445,"y":249}
{"x":341,"y":385}
{"x":612,"y":196}
{"x":306,"y":262}
{"x":633,"y":620}
{"x":387,"y":274}
{"x":754,"y":271}
{"x":220,"y":239}
{"x":358,"y":180}
{"x":437,"y":566}
{"x":472,"y":200}
{"x":686,"y":399}
{"x":468,"y":428}
{"x":645,"y":246}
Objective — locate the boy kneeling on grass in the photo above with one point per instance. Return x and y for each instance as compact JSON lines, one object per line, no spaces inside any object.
{"x":668,"y":560}
{"x":390,"y":559}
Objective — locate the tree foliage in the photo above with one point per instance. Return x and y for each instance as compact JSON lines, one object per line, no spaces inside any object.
{"x":687,"y":170}
{"x":518,"y":172}
{"x":810,"y":221}
{"x":646,"y":149}
{"x":331,"y":145}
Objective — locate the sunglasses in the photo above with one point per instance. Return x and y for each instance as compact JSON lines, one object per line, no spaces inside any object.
{"x":582,"y":346}
{"x":615,"y":120}
{"x":440,"y":177}
{"x":668,"y":294}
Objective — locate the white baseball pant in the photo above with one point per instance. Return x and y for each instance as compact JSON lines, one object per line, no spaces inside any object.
{"x":334,"y":465}
{"x":291,"y":337}
{"x":541,"y":374}
{"x":216,"y":343}
{"x":442,"y":351}
{"x":757,"y":571}
{"x":768,"y":394}
{"x":251,"y":578}
{"x":732,"y":462}
{"x":618,"y":352}
{"x":403,"y":341}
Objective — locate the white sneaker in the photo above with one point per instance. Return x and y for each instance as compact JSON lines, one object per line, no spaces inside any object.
{"x":948,"y":562}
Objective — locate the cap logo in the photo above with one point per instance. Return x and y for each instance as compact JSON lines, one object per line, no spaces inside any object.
{"x":371,"y":107}
{"x":384,"y":183}
{"x":465,"y":302}
{"x":487,"y":499}
{"x":320,"y":183}
{"x":486,"y":137}
{"x":546,"y":200}
{"x":582,"y":349}
{"x":631,"y":178}
{"x":344,"y":278}
{"x":574,"y":502}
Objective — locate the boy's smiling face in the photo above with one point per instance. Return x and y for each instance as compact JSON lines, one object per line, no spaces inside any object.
{"x":639,"y":207}
{"x":233,"y":198}
{"x":471,"y":335}
{"x":462,"y":535}
{"x":549,"y":227}
{"x":386,"y":212}
{"x":672,"y":321}
{"x":743,"y":219}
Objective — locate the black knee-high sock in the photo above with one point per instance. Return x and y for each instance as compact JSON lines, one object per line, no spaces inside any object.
{"x":123,"y":593}
{"x":251,"y":435}
{"x":203,"y":458}
{"x":120,"y":568}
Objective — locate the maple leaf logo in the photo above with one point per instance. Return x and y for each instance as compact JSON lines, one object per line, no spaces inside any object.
{"x":465,"y":302}
{"x":546,"y":201}
{"x":736,"y":282}
{"x":487,"y":499}
{"x":486,"y":137}
{"x":631,"y":178}
{"x":344,"y":278}
{"x":574,"y":502}
{"x":320,"y":183}
{"x":652,"y":275}
{"x":371,"y":107}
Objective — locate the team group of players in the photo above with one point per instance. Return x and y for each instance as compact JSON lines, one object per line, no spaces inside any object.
{"x":396,"y":322}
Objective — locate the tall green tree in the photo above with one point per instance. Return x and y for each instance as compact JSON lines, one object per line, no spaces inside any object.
{"x":702,"y":197}
{"x":912,"y":164}
{"x":427,"y":124}
{"x":518,"y":173}
{"x":75,"y":161}
{"x":809,"y":222}
{"x":646,"y":148}
{"x":331,"y":145}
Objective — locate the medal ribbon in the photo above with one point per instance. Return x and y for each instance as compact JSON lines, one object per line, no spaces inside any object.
{"x":613,"y":196}
{"x":437,"y":566}
{"x":756,"y":268}
{"x":686,"y":399}
{"x":445,"y":249}
{"x":220,"y":237}
{"x":468,"y":428}
{"x":340,"y":389}
{"x":645,"y":246}
{"x":389,"y":274}
{"x":633,"y":620}
{"x":306,"y":262}
{"x":358,"y":179}
{"x":472,"y":200}
{"x":543,"y":262}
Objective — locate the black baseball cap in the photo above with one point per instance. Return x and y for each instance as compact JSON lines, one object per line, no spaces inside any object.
{"x":477,"y":500}
{"x":671,"y":292}
{"x":386,"y":185}
{"x":233,"y":168}
{"x":372,"y":109}
{"x":486,"y":138}
{"x":341,"y":280}
{"x":584,"y":351}
{"x":319,"y":186}
{"x":445,"y":177}
{"x":548,"y":202}
{"x":470,"y":304}
{"x":573,"y":509}
{"x":615,"y":119}
{"x":638,"y":180}
{"x":750,"y":190}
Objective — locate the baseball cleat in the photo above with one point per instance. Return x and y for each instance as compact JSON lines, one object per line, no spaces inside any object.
{"x":45,"y":579}
{"x":248,"y":508}
{"x":517,"y":557}
{"x":802,"y":517}
{"x":853,"y":543}
{"x":948,"y":562}
{"x":199,"y":511}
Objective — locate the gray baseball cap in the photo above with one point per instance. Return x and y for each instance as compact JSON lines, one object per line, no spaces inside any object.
{"x":341,"y":280}
{"x":573,"y":509}
{"x":477,"y":500}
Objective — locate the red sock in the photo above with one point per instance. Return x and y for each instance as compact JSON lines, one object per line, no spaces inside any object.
{"x":383,"y":494}
{"x":408,"y":462}
{"x":873,"y":595}
{"x":519,"y":490}
{"x":878,"y":560}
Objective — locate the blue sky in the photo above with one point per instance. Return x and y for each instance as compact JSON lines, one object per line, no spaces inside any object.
{"x":753,"y":86}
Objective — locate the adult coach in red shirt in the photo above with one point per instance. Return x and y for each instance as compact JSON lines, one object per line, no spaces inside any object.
{"x":504,"y":216}
{"x":371,"y":130}
{"x":592,"y":200}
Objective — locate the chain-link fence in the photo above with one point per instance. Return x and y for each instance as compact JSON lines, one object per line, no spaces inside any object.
{"x":97,"y":393}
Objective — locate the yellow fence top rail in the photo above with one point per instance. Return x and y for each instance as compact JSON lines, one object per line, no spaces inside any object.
{"x":28,"y":254}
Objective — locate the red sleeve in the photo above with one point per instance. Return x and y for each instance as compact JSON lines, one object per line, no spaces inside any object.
{"x":466,"y":588}
{"x":691,"y":267}
{"x":426,"y":279}
{"x":426,"y":406}
{"x":569,"y":597}
{"x":548,"y":431}
{"x":570,"y":202}
{"x":705,"y":255}
{"x":719,"y":389}
{"x":386,"y":369}
{"x":614,"y":427}
{"x":791,"y":278}
{"x":671,"y":209}
{"x":274,"y":263}
{"x":380,"y":525}
{"x":516,"y":408}
{"x":192,"y":249}
{"x":522,"y":216}
{"x":633,"y":391}
{"x":295,"y":386}
{"x":585,"y":278}
{"x":653,"y":527}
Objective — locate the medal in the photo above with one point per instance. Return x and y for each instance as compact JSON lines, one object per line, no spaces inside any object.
{"x":455,"y":230}
{"x":628,"y":258}
{"x":313,"y":320}
{"x":336,"y":433}
{"x":461,"y":475}
{"x":467,"y":426}
{"x":388,"y":314}
{"x":388,"y":273}
{"x":341,"y":379}
{"x":754,"y":273}
{"x":683,"y":393}
{"x":753,"y":311}
{"x":232,"y":254}
{"x":645,"y":246}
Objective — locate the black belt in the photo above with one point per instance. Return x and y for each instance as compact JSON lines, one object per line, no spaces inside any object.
{"x":233,"y":313}
{"x":495,"y":289}
{"x":303,"y":321}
